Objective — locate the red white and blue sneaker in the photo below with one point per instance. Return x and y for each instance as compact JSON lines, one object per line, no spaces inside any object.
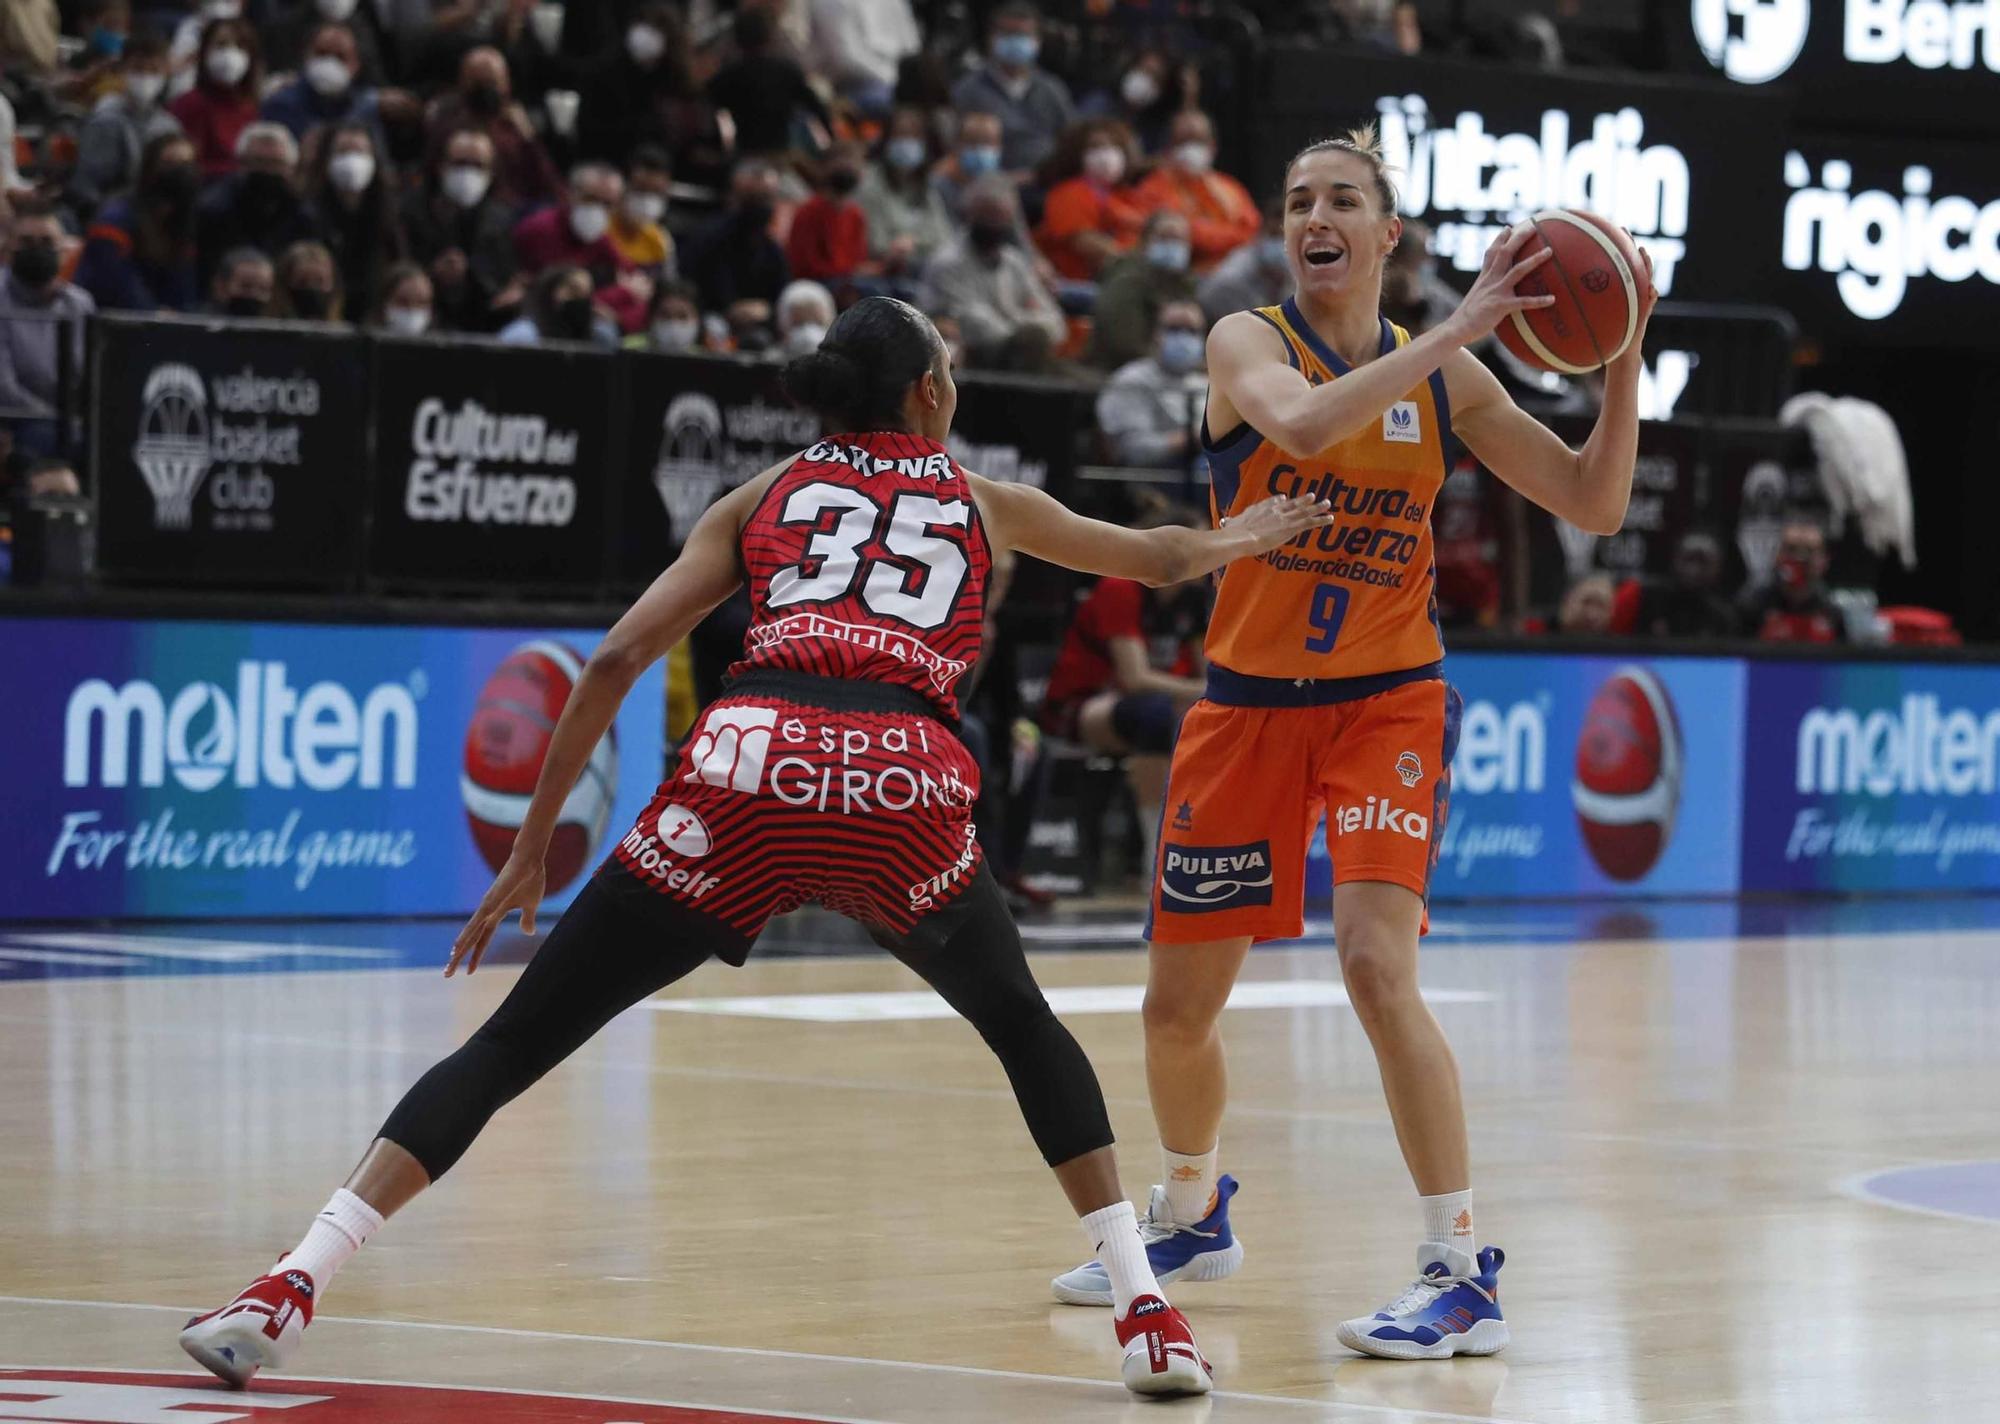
{"x":1450,"y":1309}
{"x":1205,"y":1251}
{"x":1160,"y":1354}
{"x":258,"y":1329}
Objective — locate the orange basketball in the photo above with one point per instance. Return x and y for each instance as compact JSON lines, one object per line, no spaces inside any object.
{"x":1597,"y":279}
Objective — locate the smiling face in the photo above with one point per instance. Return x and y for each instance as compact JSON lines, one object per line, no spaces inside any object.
{"x":1337,"y":231}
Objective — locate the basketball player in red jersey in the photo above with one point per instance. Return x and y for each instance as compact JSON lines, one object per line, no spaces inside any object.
{"x":829,"y":772}
{"x":1326,"y":699}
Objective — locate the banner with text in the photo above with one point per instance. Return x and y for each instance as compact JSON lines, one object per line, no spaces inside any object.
{"x":250,"y":769}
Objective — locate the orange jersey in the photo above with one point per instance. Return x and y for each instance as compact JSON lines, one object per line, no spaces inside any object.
{"x":1357,"y":598}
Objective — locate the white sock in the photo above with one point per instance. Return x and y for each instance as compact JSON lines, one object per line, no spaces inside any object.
{"x":1190,"y":1183}
{"x":1113,"y":1234}
{"x":336,"y":1234}
{"x":1448,"y":1221}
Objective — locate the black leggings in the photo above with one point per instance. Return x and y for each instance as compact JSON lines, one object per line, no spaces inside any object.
{"x":620,"y":943}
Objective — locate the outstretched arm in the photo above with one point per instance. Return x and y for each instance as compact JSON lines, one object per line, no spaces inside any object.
{"x":1590,"y":487}
{"x":708,"y":570}
{"x":1022,"y":517}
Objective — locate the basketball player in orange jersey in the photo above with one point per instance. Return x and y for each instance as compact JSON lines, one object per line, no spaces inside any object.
{"x":1326,"y":698}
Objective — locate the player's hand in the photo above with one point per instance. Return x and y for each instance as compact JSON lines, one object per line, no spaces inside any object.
{"x":1493,"y":298}
{"x":520,"y":885}
{"x":1278,"y":520}
{"x":1649,"y":297}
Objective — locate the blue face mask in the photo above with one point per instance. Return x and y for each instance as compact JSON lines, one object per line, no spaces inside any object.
{"x":978,"y":162}
{"x":1016,"y":48}
{"x":1180,"y":351}
{"x":1168,"y":254}
{"x":904,"y":153}
{"x":107,"y":42}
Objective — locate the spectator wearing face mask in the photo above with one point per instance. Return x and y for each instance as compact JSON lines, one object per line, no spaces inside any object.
{"x":638,"y":223}
{"x":735,"y":257}
{"x":243,"y":285}
{"x":109,"y":145}
{"x":673,"y":326}
{"x":976,"y":155}
{"x":829,"y":237}
{"x":329,"y":88}
{"x":1794,"y":607}
{"x":861,"y":44}
{"x":139,"y":250}
{"x":352,"y":208}
{"x":1090,"y":216}
{"x":1151,"y":408}
{"x":1687,"y":603}
{"x":1254,"y":275}
{"x":1220,"y":213}
{"x":637,"y":89}
{"x":1147,"y":96}
{"x":41,"y":326}
{"x":257,"y":205}
{"x":804,"y":313}
{"x":523,"y":174}
{"x":1033,"y":106}
{"x":462,"y":234}
{"x":560,"y":308}
{"x":223,"y":102}
{"x":990,"y":287}
{"x":763,"y":90}
{"x":407,"y":307}
{"x":577,"y":233}
{"x":93,"y":70}
{"x":308,"y":284}
{"x":1136,"y":288}
{"x":287,"y":28}
{"x":907,"y":220}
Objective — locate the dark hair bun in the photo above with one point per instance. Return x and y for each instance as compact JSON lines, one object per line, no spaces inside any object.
{"x":825,"y":381}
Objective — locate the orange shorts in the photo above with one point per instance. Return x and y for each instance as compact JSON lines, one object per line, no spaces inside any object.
{"x":1249,"y":786}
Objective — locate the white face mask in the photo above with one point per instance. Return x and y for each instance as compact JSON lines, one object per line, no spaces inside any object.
{"x":221,"y":10}
{"x":675,"y":335}
{"x":408,"y":321}
{"x":1140,"y":88}
{"x":588,"y":221}
{"x":227,"y":64}
{"x":144,"y":89}
{"x":465,"y":184}
{"x":327,"y":76}
{"x":804,"y":338}
{"x":645,"y":44}
{"x":645,"y":207}
{"x":351,"y":172}
{"x":1105,"y":164}
{"x":335,"y":9}
{"x":1194,"y":157}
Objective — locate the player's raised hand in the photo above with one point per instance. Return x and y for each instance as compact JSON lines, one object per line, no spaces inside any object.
{"x":1278,"y":520}
{"x":520,"y":885}
{"x":1493,"y":298}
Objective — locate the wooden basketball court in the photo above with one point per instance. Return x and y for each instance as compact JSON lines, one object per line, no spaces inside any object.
{"x":1741,"y":1163}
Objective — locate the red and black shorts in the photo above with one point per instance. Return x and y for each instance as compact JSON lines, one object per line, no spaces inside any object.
{"x":796,"y":790}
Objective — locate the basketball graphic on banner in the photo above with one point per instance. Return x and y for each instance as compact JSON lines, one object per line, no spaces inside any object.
{"x":505,"y":745}
{"x":1628,"y":773}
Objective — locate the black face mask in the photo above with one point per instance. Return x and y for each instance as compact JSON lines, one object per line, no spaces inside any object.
{"x":756,"y":214}
{"x":35,"y":264}
{"x":573,"y":318}
{"x":265,"y":192}
{"x":990,"y":237}
{"x":309,"y":302}
{"x":243,"y":306}
{"x":174,"y":187}
{"x":843,"y":181}
{"x":484,"y":99}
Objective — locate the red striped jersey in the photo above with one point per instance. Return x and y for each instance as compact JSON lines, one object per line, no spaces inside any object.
{"x":867,"y":560}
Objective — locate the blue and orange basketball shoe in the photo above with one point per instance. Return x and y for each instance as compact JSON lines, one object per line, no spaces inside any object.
{"x":1206,"y":1250}
{"x":1448,"y":1310}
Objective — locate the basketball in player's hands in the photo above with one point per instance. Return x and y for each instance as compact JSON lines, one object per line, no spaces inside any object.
{"x":1600,"y":285}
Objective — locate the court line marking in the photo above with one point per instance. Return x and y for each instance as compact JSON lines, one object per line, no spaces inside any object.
{"x":1856,"y":1187}
{"x":746,"y":1411}
{"x":1074,"y":1000}
{"x":754,"y":1352}
{"x":199,"y":948}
